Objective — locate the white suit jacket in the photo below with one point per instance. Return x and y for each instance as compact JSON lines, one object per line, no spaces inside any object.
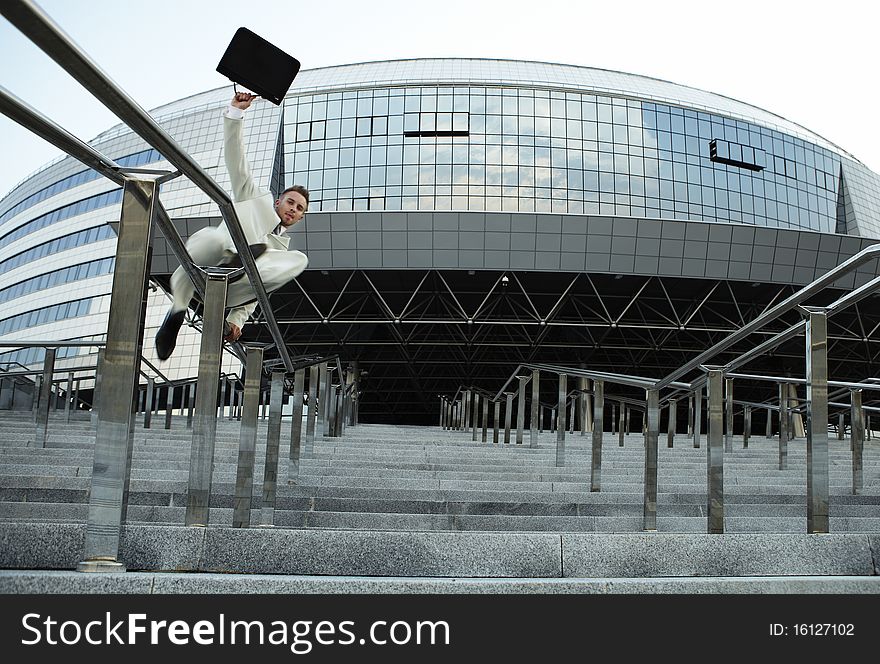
{"x":255,"y":207}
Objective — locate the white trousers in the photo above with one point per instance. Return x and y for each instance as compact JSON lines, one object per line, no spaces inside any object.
{"x":210,"y":246}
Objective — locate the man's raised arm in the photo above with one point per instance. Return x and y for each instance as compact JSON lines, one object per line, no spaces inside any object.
{"x":241,"y":180}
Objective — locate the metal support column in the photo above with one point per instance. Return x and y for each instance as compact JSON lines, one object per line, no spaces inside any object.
{"x":247,"y":439}
{"x":41,"y":435}
{"x":598,"y":430}
{"x":621,"y":425}
{"x":715,"y":451}
{"x":560,"y":426}
{"x":485,"y":436}
{"x":496,"y":419}
{"x":857,"y":434}
{"x":299,"y":381}
{"x":273,"y":443}
{"x":201,"y":465}
{"x":652,"y":440}
{"x":769,"y":424}
{"x":613,"y":418}
{"x":816,"y":333}
{"x":698,"y":416}
{"x":673,"y":416}
{"x":840,"y":426}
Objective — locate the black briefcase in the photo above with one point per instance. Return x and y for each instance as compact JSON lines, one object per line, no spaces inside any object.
{"x":259,"y":66}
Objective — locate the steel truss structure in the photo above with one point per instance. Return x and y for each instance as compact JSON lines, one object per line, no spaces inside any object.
{"x":416,"y":334}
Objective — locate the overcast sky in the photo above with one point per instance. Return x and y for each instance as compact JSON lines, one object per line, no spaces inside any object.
{"x":813,"y":63}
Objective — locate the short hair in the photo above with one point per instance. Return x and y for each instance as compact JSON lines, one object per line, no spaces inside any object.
{"x":298,"y":188}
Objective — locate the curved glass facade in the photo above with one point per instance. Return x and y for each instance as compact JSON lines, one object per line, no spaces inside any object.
{"x":533,"y":150}
{"x":554,"y":144}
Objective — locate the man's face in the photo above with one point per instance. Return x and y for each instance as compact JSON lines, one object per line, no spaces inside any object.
{"x":290,"y":208}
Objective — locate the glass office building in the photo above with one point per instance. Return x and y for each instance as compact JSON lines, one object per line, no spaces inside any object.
{"x":468,"y":215}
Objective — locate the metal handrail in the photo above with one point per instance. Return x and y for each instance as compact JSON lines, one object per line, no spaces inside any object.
{"x":42,"y":31}
{"x":796,"y":299}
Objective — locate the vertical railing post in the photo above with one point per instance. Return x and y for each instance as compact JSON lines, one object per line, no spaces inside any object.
{"x":169,"y":404}
{"x":728,"y":402}
{"x":224,"y":393}
{"x":857,"y":438}
{"x":299,"y":380}
{"x":690,"y":416}
{"x":783,"y":426}
{"x":560,"y":426}
{"x":476,"y":416}
{"x":273,"y":443}
{"x":817,"y":420}
{"x":108,"y":497}
{"x":42,"y":413}
{"x":535,"y":408}
{"x":747,"y":425}
{"x":508,"y":416}
{"x":148,"y":403}
{"x":521,"y":409}
{"x":247,"y":438}
{"x":652,"y":440}
{"x":191,"y":390}
{"x":201,"y":464}
{"x":715,"y":451}
{"x":582,"y":404}
{"x":672,"y":424}
{"x":312,"y":414}
{"x":323,"y":402}
{"x":69,"y":397}
{"x":598,"y":431}
{"x":96,"y":392}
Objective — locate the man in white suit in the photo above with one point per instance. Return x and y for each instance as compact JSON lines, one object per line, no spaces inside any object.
{"x":264,"y":223}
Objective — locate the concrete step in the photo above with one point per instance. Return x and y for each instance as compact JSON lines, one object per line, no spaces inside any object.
{"x":194,"y":583}
{"x":449,"y":554}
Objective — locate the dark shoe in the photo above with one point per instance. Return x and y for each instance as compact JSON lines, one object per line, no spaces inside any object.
{"x":235,"y":262}
{"x":166,"y":337}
